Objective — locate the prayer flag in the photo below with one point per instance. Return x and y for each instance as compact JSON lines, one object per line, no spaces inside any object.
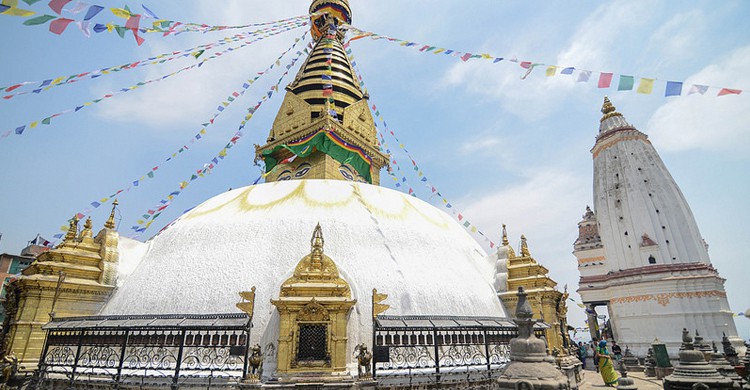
{"x":4,"y":8}
{"x":674,"y":88}
{"x":701,"y":89}
{"x":57,"y":5}
{"x":84,"y":27}
{"x":525,"y":64}
{"x":59,"y":25}
{"x":727,"y":91}
{"x":568,"y":70}
{"x":551,"y":70}
{"x":466,"y":57}
{"x":467,"y":224}
{"x":646,"y":86}
{"x":120,"y":13}
{"x":626,"y":83}
{"x":605,"y":80}
{"x":13,"y":11}
{"x":19,"y":130}
{"x":38,"y":20}
{"x":78,"y":8}
{"x":584,"y":76}
{"x":149,"y":13}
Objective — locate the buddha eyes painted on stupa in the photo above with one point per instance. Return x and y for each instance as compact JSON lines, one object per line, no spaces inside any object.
{"x":302,"y":170}
{"x":286,"y":175}
{"x":346,"y":172}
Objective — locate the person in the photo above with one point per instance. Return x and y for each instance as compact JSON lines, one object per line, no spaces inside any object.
{"x":606,"y":369}
{"x":617,"y":352}
{"x":595,"y":357}
{"x":582,"y":353}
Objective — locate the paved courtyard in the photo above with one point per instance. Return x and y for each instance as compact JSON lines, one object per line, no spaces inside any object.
{"x":592,"y":380}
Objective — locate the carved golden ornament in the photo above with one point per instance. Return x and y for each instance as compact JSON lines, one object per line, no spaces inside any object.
{"x":313,"y":312}
{"x":72,"y":230}
{"x":609,"y":110}
{"x":248,"y":301}
{"x":378,"y":307}
{"x":110,"y":224}
{"x":664,"y":298}
{"x":524,"y":247}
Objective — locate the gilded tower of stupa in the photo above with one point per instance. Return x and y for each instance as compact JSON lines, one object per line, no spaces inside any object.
{"x":324,"y":129}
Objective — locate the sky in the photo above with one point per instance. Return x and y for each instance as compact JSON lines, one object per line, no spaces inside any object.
{"x":502,"y":149}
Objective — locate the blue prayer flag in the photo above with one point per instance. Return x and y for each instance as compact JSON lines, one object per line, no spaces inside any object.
{"x":568,"y":70}
{"x":93,"y":11}
{"x":19,"y":130}
{"x":674,"y":88}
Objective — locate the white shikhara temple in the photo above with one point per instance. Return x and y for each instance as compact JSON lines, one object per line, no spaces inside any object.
{"x":640,"y":252}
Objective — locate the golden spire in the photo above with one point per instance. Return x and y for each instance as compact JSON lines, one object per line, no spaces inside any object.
{"x":524,"y":247}
{"x":72,"y":230}
{"x":316,"y":244}
{"x":505,"y":237}
{"x":609,"y":110}
{"x":86,"y":232}
{"x":110,"y":224}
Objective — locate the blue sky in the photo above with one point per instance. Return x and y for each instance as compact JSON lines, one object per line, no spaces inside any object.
{"x":501,"y":149}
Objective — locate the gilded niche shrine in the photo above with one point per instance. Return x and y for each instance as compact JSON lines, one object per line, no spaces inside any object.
{"x":314,"y":306}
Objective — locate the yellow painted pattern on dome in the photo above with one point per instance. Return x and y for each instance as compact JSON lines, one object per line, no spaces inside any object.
{"x":301,"y":192}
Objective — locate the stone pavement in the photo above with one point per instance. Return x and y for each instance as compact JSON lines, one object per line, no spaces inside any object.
{"x":592,"y":380}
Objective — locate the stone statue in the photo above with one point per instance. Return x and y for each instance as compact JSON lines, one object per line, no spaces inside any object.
{"x":256,"y":361}
{"x":9,"y":366}
{"x":364,"y":357}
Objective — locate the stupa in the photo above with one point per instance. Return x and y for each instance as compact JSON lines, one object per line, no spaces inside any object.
{"x":640,"y":252}
{"x":298,"y":319}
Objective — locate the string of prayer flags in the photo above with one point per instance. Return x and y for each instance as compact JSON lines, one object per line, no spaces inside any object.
{"x":202,"y":133}
{"x":163,"y":26}
{"x":46,"y":121}
{"x":148,"y":217}
{"x":420,"y":174}
{"x":646,"y":85}
{"x":38,"y":87}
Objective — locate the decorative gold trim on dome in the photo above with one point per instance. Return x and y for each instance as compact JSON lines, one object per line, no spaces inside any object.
{"x":404,"y":208}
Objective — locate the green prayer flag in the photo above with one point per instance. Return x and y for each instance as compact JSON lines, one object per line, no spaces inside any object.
{"x":46,"y":120}
{"x":121,"y":31}
{"x":31,"y":2}
{"x":38,"y":20}
{"x":626,"y":83}
{"x":150,"y":174}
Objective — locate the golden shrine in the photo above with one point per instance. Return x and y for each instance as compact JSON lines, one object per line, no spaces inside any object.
{"x":74,"y":279}
{"x":314,"y":307}
{"x":548,"y":304}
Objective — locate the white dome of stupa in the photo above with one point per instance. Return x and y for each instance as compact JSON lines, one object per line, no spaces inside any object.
{"x":255,"y":236}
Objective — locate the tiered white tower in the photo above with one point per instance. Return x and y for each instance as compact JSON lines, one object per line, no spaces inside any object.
{"x":640,"y":252}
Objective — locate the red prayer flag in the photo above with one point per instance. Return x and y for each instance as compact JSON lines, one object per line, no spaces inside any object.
{"x":605,"y":79}
{"x":59,"y":25}
{"x":525,"y":64}
{"x":57,"y":5}
{"x":466,"y":57}
{"x":12,"y":87}
{"x":727,"y":91}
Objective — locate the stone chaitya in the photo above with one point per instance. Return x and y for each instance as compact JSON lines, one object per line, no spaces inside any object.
{"x":530,"y":367}
{"x":693,"y":372}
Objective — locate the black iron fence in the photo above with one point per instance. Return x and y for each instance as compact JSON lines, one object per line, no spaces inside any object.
{"x":425,"y":349}
{"x":164,"y":349}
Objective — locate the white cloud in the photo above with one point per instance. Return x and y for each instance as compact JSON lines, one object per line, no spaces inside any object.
{"x":708,"y":122}
{"x":192,"y":96}
{"x":545,"y":208}
{"x":592,"y":46}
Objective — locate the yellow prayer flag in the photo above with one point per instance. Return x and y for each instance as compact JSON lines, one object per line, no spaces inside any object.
{"x":58,"y":80}
{"x":120,"y":13}
{"x":223,"y":153}
{"x":203,"y":131}
{"x":33,"y":124}
{"x":646,"y":86}
{"x":551,"y":70}
{"x":14,"y":3}
{"x":438,"y":51}
{"x":487,"y":56}
{"x":110,"y":28}
{"x":13,"y":11}
{"x":473,"y":229}
{"x":64,"y":228}
{"x":103,"y":200}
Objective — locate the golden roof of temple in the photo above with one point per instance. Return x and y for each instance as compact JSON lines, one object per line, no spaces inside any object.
{"x":609,"y":110}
